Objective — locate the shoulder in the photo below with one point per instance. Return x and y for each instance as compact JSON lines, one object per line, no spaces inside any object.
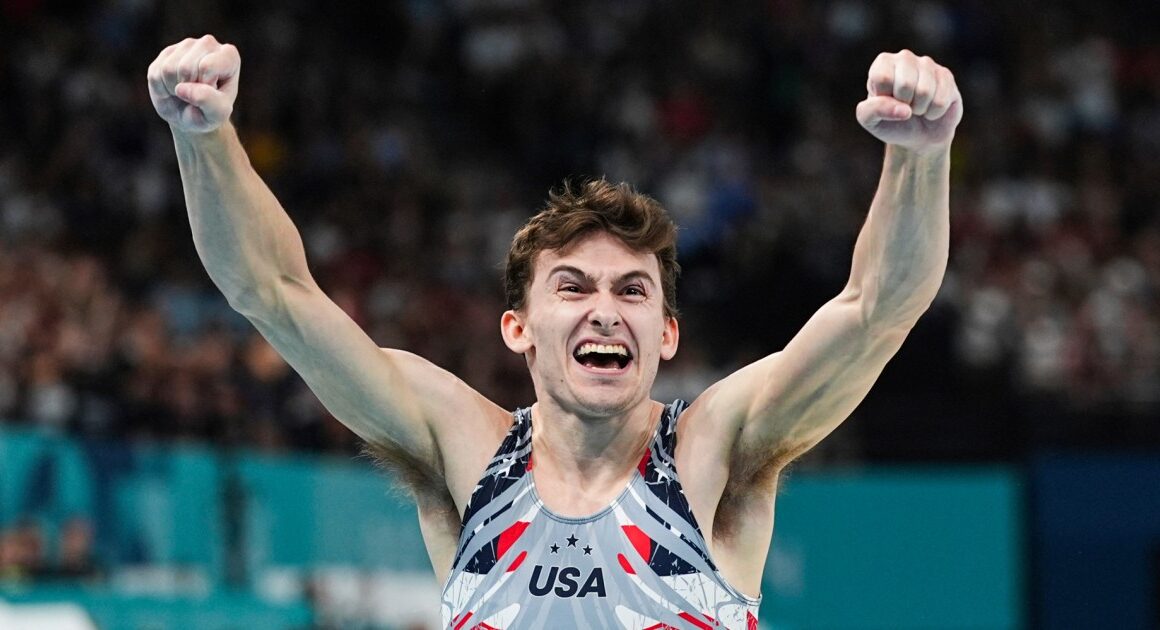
{"x":466,"y":426}
{"x":706,"y":417}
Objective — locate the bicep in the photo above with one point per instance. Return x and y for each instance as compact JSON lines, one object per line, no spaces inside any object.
{"x":786,"y":402}
{"x":384,"y":396}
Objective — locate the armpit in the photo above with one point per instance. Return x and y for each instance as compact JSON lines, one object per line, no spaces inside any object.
{"x":415,"y":477}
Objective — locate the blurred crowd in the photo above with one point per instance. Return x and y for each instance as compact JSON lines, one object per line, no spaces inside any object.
{"x":408,"y":140}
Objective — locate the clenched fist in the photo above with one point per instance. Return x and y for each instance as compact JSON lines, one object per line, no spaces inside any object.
{"x":193,"y":84}
{"x":911,"y":102}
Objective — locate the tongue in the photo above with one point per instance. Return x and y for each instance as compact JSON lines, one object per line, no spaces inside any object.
{"x":596,"y":360}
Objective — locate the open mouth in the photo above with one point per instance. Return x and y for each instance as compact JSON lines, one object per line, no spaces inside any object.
{"x":599,"y":356}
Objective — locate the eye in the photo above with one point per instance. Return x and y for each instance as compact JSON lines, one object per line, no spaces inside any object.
{"x":569,"y":288}
{"x":634,"y":291}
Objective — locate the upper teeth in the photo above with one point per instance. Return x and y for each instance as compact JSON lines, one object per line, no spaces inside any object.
{"x":589,"y":348}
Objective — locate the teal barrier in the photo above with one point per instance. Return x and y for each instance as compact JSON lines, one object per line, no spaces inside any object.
{"x":48,"y":477}
{"x":219,"y":611}
{"x":907,"y":548}
{"x":303,"y":512}
{"x":148,"y":504}
{"x":913,"y":548}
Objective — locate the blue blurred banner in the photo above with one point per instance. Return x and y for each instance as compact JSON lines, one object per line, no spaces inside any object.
{"x":1097,"y":548}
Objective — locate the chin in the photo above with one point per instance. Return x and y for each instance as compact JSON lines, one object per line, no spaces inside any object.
{"x":606,"y":404}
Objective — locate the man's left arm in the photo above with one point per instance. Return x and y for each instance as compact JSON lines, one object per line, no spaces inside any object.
{"x":785,"y":403}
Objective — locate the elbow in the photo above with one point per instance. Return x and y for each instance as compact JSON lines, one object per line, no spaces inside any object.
{"x":887,"y":312}
{"x":262,"y":301}
{"x":248,"y":300}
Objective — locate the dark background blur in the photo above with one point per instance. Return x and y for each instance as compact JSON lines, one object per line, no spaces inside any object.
{"x":408,"y":140}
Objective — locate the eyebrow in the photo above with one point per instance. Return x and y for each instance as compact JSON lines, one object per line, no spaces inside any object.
{"x":623,"y":278}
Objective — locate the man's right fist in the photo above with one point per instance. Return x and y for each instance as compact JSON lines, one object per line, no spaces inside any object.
{"x":193,"y":84}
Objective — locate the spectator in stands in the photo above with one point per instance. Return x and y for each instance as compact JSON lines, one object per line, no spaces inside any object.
{"x":1053,"y":300}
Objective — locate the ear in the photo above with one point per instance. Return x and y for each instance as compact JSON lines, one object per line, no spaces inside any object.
{"x":670,"y":337}
{"x":515,"y":332}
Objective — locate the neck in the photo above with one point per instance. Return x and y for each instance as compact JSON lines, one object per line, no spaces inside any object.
{"x":591,"y":452}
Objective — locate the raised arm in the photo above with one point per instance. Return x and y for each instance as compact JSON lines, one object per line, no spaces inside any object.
{"x":782,"y":405}
{"x":255,"y":256}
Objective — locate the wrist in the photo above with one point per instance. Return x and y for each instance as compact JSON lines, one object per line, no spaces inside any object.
{"x":933,"y":154}
{"x":194,"y":138}
{"x":215,"y":142}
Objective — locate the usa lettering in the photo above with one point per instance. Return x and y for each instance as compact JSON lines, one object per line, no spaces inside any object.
{"x":565,"y":582}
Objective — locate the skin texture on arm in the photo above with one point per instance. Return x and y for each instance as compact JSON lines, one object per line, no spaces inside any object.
{"x":745,"y":429}
{"x":426,"y":421}
{"x":799,"y":395}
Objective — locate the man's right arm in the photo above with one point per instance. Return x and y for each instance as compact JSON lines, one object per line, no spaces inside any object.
{"x":254,"y":254}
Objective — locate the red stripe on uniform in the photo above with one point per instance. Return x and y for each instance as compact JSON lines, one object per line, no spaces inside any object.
{"x":624,"y":564}
{"x":697,"y":622}
{"x":462,"y":621}
{"x":640,"y":540}
{"x":509,"y":537}
{"x":518,"y":561}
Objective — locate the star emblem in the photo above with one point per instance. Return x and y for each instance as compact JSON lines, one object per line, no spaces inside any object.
{"x":572,"y":540}
{"x":555,"y":548}
{"x":587,"y":550}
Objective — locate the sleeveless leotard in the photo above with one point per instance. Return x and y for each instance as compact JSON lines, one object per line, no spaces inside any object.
{"x":641,"y":563}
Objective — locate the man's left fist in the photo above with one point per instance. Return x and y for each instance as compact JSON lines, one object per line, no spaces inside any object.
{"x":911,"y":102}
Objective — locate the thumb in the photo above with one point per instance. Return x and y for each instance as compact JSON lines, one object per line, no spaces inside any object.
{"x":876,"y":109}
{"x":204,"y":97}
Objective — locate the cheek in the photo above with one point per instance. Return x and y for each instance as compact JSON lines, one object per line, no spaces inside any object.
{"x":548,"y":330}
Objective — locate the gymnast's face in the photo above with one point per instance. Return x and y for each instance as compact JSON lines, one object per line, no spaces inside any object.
{"x":593,"y":327}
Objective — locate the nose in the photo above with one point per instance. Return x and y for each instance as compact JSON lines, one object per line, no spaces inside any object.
{"x":604,"y":314}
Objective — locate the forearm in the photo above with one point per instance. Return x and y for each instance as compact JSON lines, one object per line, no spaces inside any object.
{"x":901,"y":254}
{"x":245,"y":240}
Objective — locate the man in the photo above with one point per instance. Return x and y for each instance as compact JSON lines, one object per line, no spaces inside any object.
{"x":631,"y":513}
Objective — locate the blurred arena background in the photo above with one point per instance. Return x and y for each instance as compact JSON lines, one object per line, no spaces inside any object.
{"x":160,"y":466}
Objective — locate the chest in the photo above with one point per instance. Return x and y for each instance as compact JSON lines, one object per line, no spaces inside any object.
{"x":640,"y":553}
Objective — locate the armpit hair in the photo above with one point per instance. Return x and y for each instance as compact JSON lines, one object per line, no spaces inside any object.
{"x":750,"y":473}
{"x":413,"y":477}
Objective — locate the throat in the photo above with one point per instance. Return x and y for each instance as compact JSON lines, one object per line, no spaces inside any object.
{"x":577,"y":496}
{"x":580,"y":466}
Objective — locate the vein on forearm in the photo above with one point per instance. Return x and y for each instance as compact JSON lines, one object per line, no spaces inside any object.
{"x":901,"y":253}
{"x":242,"y":235}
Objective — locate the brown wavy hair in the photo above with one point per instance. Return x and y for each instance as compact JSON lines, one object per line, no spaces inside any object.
{"x":576,"y":209}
